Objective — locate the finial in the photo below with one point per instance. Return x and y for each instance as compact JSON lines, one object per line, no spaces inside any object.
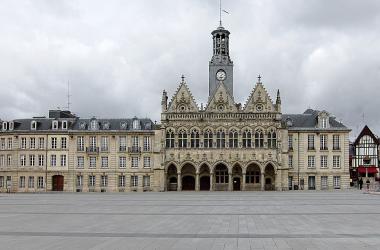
{"x":259,"y":79}
{"x":183,"y":78}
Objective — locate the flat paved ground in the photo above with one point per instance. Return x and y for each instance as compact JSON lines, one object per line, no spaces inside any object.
{"x":189,"y":220}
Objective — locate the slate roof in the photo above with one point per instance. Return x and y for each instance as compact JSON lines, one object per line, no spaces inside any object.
{"x":309,"y":121}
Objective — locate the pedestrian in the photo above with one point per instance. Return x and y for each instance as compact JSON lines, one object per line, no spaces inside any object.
{"x":360,"y":183}
{"x":367,"y":182}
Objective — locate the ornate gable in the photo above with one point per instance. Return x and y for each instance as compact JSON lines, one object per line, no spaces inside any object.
{"x":221,"y":101}
{"x":259,"y":100}
{"x":183,"y":100}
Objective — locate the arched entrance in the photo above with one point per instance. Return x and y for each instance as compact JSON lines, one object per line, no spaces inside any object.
{"x":253,"y":177}
{"x":221,"y":177}
{"x":269,"y":177}
{"x":188,"y":177}
{"x":236,"y":177}
{"x":57,"y":181}
{"x":172,"y":181}
{"x":204,"y":178}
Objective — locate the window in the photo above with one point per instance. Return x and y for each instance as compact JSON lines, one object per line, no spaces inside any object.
{"x":54,"y":142}
{"x":9,"y":143}
{"x":22,"y":160}
{"x":32,"y":160}
{"x":91,"y":180}
{"x":146,"y":181}
{"x":1,"y":181}
{"x":135,"y":162}
{"x":272,"y":139}
{"x":134,"y":181}
{"x":55,"y":125}
{"x":2,"y":143}
{"x":336,"y":182}
{"x":104,"y":143}
{"x":310,"y":142}
{"x":104,"y":181}
{"x":9,"y":160}
{"x":146,"y":162}
{"x":290,"y":182}
{"x":233,"y":139}
{"x":252,"y":177}
{"x":79,"y":180}
{"x":33,"y":125}
{"x":32,"y":143}
{"x":23,"y":142}
{"x":104,"y":161}
{"x":324,"y":183}
{"x":93,"y":124}
{"x":336,"y":161}
{"x":80,"y":162}
{"x":182,"y":139}
{"x":92,"y":143}
{"x":311,"y":183}
{"x":41,"y":160}
{"x":80,"y":143}
{"x":135,"y":141}
{"x":64,"y":124}
{"x":31,"y":182}
{"x":2,"y":160}
{"x":40,"y":182}
{"x":63,"y":160}
{"x":247,"y":139}
{"x":21,"y":183}
{"x":220,"y":139}
{"x":323,"y":161}
{"x":136,"y":124}
{"x":121,"y":181}
{"x":311,"y":161}
{"x":323,"y":140}
{"x":41,"y":143}
{"x":290,"y":142}
{"x":5,"y":125}
{"x":122,"y":143}
{"x":194,"y":138}
{"x":336,"y":142}
{"x":324,"y":122}
{"x":207,"y":138}
{"x":122,"y":161}
{"x":63,"y":142}
{"x":53,"y":160}
{"x":259,"y":139}
{"x":290,"y":161}
{"x":92,"y":162}
{"x":146,"y":143}
{"x":221,"y":175}
{"x":169,"y":139}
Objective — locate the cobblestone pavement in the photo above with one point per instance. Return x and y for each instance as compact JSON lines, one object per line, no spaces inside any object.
{"x":189,"y":220}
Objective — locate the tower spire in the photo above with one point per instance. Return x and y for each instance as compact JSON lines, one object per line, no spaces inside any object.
{"x":220,"y":13}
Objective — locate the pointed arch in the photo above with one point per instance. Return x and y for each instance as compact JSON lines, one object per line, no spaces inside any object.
{"x":194,"y":137}
{"x":233,"y":138}
{"x":208,"y":138}
{"x":259,"y":138}
{"x":169,"y":138}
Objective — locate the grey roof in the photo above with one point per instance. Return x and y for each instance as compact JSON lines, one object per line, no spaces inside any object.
{"x":309,"y":120}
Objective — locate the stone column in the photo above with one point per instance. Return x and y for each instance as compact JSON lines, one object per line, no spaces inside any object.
{"x":196,"y":181}
{"x":230,"y":182}
{"x":243,"y":188}
{"x":211,"y":181}
{"x":262,"y":182}
{"x":179,"y":182}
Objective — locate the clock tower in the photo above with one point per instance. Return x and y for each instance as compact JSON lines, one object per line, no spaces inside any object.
{"x":220,"y":66}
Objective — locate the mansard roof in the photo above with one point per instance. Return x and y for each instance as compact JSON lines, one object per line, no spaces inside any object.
{"x":366,"y":131}
{"x":309,"y":121}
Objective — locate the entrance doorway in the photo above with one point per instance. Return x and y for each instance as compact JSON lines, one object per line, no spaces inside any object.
{"x":188,"y":183}
{"x":236,"y":185}
{"x":205,"y":183}
{"x":57,"y":182}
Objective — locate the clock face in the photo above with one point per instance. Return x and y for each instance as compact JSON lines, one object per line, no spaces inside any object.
{"x":221,"y":75}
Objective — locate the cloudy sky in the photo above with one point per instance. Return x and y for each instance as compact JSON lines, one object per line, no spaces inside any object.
{"x":119,"y":55}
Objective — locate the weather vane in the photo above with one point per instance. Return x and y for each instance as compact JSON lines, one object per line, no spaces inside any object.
{"x":220,"y":13}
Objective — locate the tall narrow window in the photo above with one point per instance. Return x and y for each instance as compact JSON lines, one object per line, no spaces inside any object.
{"x":104,"y":143}
{"x":41,"y":143}
{"x":122,"y":161}
{"x":169,"y":139}
{"x":32,"y":160}
{"x":323,"y":140}
{"x":208,"y":138}
{"x":122,"y":143}
{"x":31,"y":182}
{"x":104,"y":181}
{"x":80,"y":143}
{"x":134,"y":181}
{"x":80,"y":162}
{"x":324,"y":183}
{"x":336,"y":182}
{"x":247,"y":139}
{"x":104,"y":162}
{"x":22,"y":182}
{"x":290,"y":142}
{"x":220,"y":139}
{"x":41,"y":160}
{"x":79,"y":180}
{"x":23,"y":143}
{"x":311,"y":161}
{"x":22,"y":160}
{"x":135,"y":141}
{"x":259,"y":139}
{"x":310,"y":142}
{"x":40,"y":182}
{"x":63,"y":142}
{"x":182,"y":139}
{"x":233,"y":138}
{"x":336,"y":161}
{"x":290,"y":161}
{"x":53,"y":160}
{"x":194,"y":139}
{"x":135,"y":162}
{"x":63,"y":160}
{"x":324,"y":122}
{"x":92,"y":162}
{"x":146,"y":143}
{"x":32,"y":143}
{"x":272,"y":139}
{"x":2,"y":143}
{"x":146,"y":161}
{"x":323,"y":161}
{"x":121,"y":180}
{"x":91,"y":180}
{"x":9,"y":143}
{"x":92,"y":143}
{"x":146,"y":181}
{"x":54,"y":142}
{"x":336,"y":142}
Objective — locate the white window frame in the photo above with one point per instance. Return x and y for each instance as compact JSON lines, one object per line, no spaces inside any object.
{"x":134,"y":162}
{"x":324,"y":161}
{"x":290,"y":161}
{"x":31,"y":182}
{"x":336,"y":161}
{"x":310,"y":161}
{"x":54,"y":125}
{"x":40,"y":182}
{"x":146,"y":181}
{"x":53,"y":160}
{"x":104,"y":180}
{"x":147,"y":162}
{"x":92,"y":162}
{"x":80,"y":162}
{"x":4,"y":126}
{"x":23,"y":142}
{"x":32,"y":160}
{"x":22,"y":160}
{"x":134,"y":181}
{"x":63,"y":160}
{"x":336,"y":182}
{"x":54,"y":141}
{"x":32,"y":143}
{"x":324,"y":182}
{"x":104,"y":162}
{"x":33,"y":125}
{"x":122,"y":162}
{"x":121,"y":181}
{"x":64,"y":143}
{"x":64,"y":125}
{"x":41,"y":142}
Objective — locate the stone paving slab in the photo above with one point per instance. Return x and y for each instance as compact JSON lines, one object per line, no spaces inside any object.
{"x":190,"y":220}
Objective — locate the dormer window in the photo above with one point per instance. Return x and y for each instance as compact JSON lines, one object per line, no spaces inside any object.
{"x":93,"y":124}
{"x":64,"y":124}
{"x":5,"y":126}
{"x":106,"y":125}
{"x":82,"y":125}
{"x":123,"y":125}
{"x":324,"y":122}
{"x":55,"y":125}
{"x":33,"y":125}
{"x":11,"y":125}
{"x":136,"y":124}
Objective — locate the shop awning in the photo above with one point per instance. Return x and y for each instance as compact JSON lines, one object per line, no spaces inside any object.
{"x":367,"y":169}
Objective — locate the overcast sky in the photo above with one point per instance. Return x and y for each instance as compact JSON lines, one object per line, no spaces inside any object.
{"x":119,"y":55}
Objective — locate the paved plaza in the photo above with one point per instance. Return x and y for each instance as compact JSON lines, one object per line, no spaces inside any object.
{"x":189,"y":220}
